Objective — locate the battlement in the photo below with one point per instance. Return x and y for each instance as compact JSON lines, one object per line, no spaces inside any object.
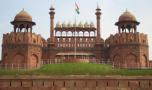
{"x":127,"y":38}
{"x":23,"y":38}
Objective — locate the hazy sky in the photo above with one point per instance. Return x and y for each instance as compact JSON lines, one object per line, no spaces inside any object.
{"x":111,"y":10}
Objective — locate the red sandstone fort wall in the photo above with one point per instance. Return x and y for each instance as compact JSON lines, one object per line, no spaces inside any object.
{"x":22,"y":50}
{"x":126,"y":38}
{"x":22,"y":38}
{"x":76,"y":83}
{"x":128,"y":50}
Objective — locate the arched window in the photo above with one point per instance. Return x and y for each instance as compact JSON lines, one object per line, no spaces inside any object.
{"x":81,"y":33}
{"x":86,"y":34}
{"x":69,"y":33}
{"x":64,"y":33}
{"x":58,"y":33}
{"x":76,"y":34}
{"x":116,"y":61}
{"x":34,"y":41}
{"x":18,"y":60}
{"x":92,"y":33}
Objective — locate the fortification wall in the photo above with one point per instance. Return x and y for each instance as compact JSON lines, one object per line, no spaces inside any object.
{"x":22,"y":50}
{"x":128,"y":50}
{"x":22,"y":38}
{"x":127,"y":38}
{"x":76,"y":83}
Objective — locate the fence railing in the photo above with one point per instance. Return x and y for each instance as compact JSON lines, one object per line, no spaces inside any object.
{"x":57,"y":61}
{"x":45,"y":62}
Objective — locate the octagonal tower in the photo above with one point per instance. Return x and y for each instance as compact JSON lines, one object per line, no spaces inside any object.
{"x":22,"y":48}
{"x":128,"y":48}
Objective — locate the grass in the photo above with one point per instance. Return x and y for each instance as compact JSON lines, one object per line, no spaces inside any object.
{"x":79,"y":69}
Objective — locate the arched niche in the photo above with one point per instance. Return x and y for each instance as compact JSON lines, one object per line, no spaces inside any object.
{"x":76,"y":34}
{"x":5,"y":58}
{"x":86,"y":33}
{"x":69,"y":33}
{"x":116,"y":61}
{"x":33,"y":61}
{"x":18,"y":60}
{"x":58,"y":33}
{"x":64,"y":33}
{"x":143,"y":61}
{"x":131,"y":61}
{"x":81,"y":33}
{"x":92,"y":34}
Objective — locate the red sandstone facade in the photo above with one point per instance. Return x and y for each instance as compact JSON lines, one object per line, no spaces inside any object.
{"x":75,"y":43}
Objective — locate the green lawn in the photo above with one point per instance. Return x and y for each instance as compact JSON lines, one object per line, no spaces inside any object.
{"x":78,"y":69}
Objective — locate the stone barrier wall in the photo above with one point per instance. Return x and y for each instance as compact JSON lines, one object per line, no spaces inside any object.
{"x":75,"y":83}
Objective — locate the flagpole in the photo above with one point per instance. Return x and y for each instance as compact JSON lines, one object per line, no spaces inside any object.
{"x":75,"y":22}
{"x":75,"y":48}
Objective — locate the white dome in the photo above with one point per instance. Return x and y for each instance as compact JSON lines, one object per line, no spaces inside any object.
{"x":58,"y":25}
{"x":80,"y":24}
{"x":69,"y":24}
{"x":86,"y":25}
{"x":64,"y":24}
{"x":92,"y":25}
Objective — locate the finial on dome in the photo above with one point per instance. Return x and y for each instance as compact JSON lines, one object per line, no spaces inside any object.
{"x":23,"y":16}
{"x":126,"y":10}
{"x":127,"y":16}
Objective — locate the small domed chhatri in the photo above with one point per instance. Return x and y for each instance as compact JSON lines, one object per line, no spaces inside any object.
{"x":86,"y":25}
{"x":69,"y":25}
{"x":23,"y":16}
{"x":64,"y":25}
{"x":75,"y":25}
{"x":127,"y":16}
{"x":58,"y":25}
{"x":80,"y":24}
{"x":92,"y":25}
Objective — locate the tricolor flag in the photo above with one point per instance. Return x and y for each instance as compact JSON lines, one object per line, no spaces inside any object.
{"x":77,"y":8}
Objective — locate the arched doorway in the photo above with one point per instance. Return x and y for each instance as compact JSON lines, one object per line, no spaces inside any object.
{"x":5,"y":59}
{"x":18,"y":60}
{"x":116,"y":61}
{"x":143,"y":62}
{"x":33,"y":61}
{"x":131,"y":61}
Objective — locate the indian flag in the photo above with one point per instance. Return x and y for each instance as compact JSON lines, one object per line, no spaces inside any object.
{"x":77,"y":8}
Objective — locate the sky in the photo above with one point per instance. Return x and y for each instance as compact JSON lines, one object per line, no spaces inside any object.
{"x":111,"y":10}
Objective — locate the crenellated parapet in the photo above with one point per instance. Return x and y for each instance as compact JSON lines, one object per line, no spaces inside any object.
{"x":127,"y":38}
{"x":23,"y":38}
